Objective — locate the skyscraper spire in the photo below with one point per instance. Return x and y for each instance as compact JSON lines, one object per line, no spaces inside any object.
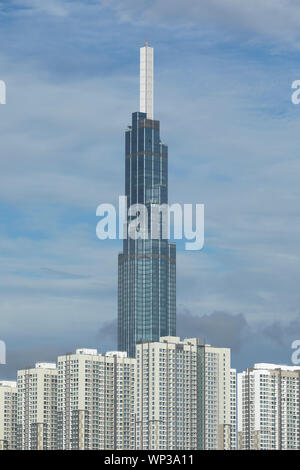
{"x":146,"y":80}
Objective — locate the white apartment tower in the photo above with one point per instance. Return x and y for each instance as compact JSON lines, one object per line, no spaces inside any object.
{"x":183,"y":396}
{"x":8,"y":415}
{"x":166,"y":394}
{"x":96,"y":401}
{"x":218,"y":400}
{"x":233,"y":408}
{"x":37,"y":407}
{"x":268,"y":408}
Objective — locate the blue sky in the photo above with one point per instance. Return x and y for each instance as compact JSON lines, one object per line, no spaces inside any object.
{"x":223,"y":74}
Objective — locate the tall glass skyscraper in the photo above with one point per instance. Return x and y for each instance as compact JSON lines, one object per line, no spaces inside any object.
{"x":147,"y":267}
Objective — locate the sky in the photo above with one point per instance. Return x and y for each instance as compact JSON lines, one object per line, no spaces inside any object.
{"x":223,"y":75}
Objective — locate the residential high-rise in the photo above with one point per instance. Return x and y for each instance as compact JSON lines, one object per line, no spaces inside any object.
{"x":166,"y":394}
{"x":233,"y":409}
{"x":8,"y":415}
{"x":96,"y":401}
{"x":147,"y":266}
{"x":268,"y":408}
{"x":37,"y":407}
{"x":219,"y":418}
{"x":184,"y":396}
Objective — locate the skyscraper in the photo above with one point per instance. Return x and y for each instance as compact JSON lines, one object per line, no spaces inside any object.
{"x":147,"y":266}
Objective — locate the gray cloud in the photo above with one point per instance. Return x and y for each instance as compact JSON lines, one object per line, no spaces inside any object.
{"x":250,"y":341}
{"x":108,"y":333}
{"x":283,"y":333}
{"x":25,"y":351}
{"x":219,"y":328}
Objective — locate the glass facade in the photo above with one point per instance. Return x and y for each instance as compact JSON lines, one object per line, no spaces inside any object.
{"x":147,"y":267}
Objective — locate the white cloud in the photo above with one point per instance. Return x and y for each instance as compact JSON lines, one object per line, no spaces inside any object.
{"x":56,"y":138}
{"x":278,"y":20}
{"x":58,"y":8}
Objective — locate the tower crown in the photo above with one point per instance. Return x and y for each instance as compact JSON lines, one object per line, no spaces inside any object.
{"x":146,"y":80}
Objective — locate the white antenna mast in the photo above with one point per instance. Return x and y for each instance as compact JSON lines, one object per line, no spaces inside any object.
{"x":146,"y":80}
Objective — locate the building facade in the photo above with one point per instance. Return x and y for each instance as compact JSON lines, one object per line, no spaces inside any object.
{"x":147,"y":265}
{"x":268,"y":408}
{"x":96,"y":401}
{"x":233,"y":409}
{"x":219,"y":421}
{"x":166,"y":394}
{"x":8,"y":415}
{"x":183,"y":396}
{"x":37,"y":407}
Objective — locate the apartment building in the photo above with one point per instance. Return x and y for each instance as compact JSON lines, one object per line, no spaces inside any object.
{"x":174,"y":395}
{"x":37,"y":407}
{"x":8,"y":415}
{"x":96,"y":400}
{"x":268,"y":407}
{"x":218,"y":398}
{"x":233,"y":409}
{"x":183,"y":395}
